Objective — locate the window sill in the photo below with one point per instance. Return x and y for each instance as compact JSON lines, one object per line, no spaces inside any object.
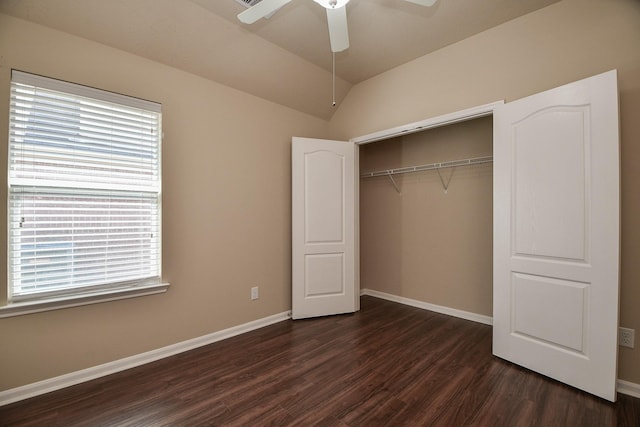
{"x":21,"y":308}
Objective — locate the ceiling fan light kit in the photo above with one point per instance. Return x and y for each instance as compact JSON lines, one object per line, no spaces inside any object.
{"x":332,"y":4}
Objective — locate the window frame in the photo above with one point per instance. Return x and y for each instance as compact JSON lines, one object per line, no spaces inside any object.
{"x":55,"y":299}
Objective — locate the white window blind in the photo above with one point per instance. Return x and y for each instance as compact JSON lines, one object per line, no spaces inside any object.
{"x":85,"y":186}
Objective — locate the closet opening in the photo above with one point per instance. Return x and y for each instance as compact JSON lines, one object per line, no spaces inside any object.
{"x":426,"y":218}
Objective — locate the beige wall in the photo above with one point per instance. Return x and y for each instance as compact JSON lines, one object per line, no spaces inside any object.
{"x":564,"y":42}
{"x":226,"y":209}
{"x":423,"y":243}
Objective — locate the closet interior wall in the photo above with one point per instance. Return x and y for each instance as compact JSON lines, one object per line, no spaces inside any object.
{"x":424,"y":243}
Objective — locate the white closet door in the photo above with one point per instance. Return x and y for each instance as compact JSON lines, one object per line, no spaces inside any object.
{"x":324,"y":244}
{"x":556,"y":233}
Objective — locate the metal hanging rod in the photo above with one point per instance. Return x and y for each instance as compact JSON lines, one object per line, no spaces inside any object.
{"x":430,"y":166}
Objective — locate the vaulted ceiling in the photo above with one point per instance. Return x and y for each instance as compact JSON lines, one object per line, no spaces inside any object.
{"x":286,"y":58}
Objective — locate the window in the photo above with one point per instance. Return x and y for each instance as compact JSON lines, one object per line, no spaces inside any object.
{"x":84,"y":190}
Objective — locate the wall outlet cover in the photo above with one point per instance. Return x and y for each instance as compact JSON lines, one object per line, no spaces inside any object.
{"x":626,"y":337}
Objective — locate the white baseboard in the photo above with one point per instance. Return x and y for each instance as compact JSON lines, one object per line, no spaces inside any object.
{"x":431,"y":307}
{"x":77,"y":377}
{"x":622,"y":386}
{"x":628,"y":388}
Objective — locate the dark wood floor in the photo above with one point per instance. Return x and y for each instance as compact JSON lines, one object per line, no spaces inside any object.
{"x":388,"y":365}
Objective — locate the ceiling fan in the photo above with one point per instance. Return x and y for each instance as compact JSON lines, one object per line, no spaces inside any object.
{"x":336,"y":17}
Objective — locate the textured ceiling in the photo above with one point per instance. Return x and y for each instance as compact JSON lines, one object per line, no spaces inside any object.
{"x":383,"y":33}
{"x":286,"y":58}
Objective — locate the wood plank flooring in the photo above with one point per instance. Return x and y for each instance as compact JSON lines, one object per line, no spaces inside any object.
{"x":388,"y":365}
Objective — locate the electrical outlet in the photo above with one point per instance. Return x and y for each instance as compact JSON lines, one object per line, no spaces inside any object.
{"x":626,"y":337}
{"x":255,"y":293}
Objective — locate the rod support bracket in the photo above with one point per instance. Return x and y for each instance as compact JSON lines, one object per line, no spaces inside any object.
{"x":393,"y":181}
{"x":445,"y":185}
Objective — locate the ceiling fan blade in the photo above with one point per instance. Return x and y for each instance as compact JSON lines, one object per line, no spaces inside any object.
{"x":338,"y":30}
{"x":423,"y":2}
{"x":260,"y":10}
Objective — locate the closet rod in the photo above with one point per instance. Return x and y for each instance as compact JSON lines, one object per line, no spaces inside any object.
{"x":430,"y":166}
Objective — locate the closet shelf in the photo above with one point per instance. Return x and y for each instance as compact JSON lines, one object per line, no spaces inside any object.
{"x":430,"y":166}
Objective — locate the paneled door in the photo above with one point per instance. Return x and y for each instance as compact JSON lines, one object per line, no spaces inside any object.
{"x":556,"y":233}
{"x":324,"y":228}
